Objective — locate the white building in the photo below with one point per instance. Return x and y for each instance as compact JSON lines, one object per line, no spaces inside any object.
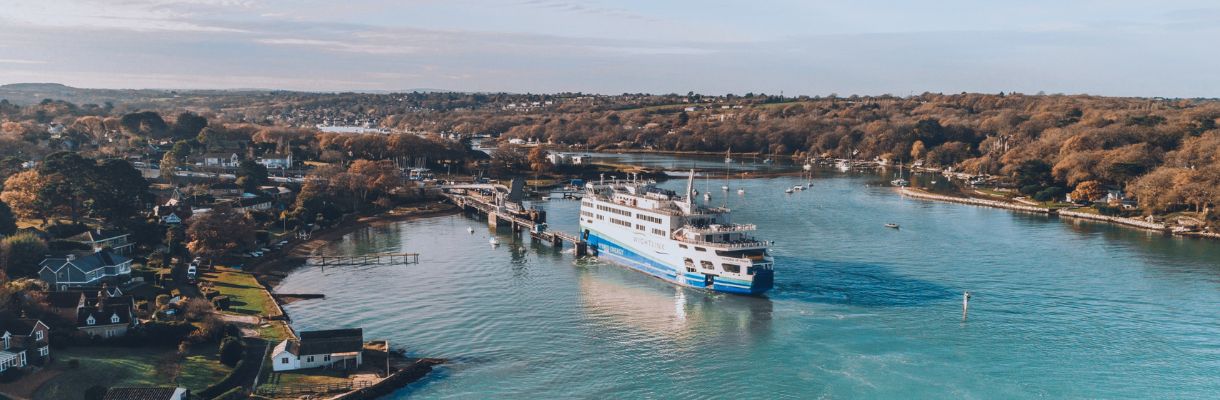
{"x":336,"y":348}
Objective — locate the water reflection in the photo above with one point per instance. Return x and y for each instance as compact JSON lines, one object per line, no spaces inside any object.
{"x":675,"y":313}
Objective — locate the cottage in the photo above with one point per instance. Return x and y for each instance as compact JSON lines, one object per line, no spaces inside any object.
{"x":224,"y":160}
{"x":26,"y":341}
{"x":224,"y":189}
{"x":70,"y":271}
{"x":65,"y":304}
{"x":147,"y":393}
{"x":251,"y":202}
{"x":100,"y":239}
{"x":337,"y":348}
{"x":277,"y":161}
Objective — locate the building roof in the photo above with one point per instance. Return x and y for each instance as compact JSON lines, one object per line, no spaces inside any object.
{"x":142,"y":393}
{"x":66,"y":299}
{"x":98,"y":235}
{"x":103,"y":316}
{"x":16,"y":325}
{"x":89,"y":262}
{"x":328,"y":342}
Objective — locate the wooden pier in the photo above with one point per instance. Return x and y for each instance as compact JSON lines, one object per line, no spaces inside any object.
{"x":367,"y":259}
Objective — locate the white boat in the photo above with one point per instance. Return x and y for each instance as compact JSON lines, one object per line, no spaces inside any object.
{"x":891,"y":225}
{"x":728,"y":156}
{"x":667,"y":235}
{"x":493,"y":241}
{"x":741,"y":191}
{"x":724,"y":188}
{"x":900,"y":182}
{"x":470,"y":230}
{"x":707,"y":197}
{"x":788,"y":190}
{"x":808,"y":166}
{"x":798,"y":188}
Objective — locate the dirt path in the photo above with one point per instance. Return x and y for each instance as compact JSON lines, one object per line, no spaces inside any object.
{"x":248,"y":324}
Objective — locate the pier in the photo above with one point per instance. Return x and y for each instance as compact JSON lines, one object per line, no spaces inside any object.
{"x":367,"y":259}
{"x":502,"y":206}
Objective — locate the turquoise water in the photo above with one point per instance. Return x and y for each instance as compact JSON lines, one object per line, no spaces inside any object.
{"x":1061,"y":309}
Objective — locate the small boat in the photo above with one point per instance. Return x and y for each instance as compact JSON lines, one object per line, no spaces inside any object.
{"x":728,"y":156}
{"x":900,"y":182}
{"x":741,"y":191}
{"x":493,"y":242}
{"x":798,"y":188}
{"x":725,"y":188}
{"x":891,"y":225}
{"x":707,"y":197}
{"x":788,"y":190}
{"x":470,"y":230}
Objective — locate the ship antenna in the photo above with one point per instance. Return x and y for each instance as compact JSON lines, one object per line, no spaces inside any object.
{"x":690,"y":187}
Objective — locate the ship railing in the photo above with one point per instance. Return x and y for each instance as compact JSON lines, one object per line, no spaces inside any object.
{"x":732,"y":244}
{"x":717,"y":228}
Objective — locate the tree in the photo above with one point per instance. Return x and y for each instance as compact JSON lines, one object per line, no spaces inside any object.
{"x":117,"y":190}
{"x":231,"y":350}
{"x":917,"y":150}
{"x":218,"y":232}
{"x":1088,"y":191}
{"x":538,"y":161}
{"x":20,"y":255}
{"x":251,"y":175}
{"x":22,"y":193}
{"x":147,"y":123}
{"x":188,"y":125}
{"x":68,"y":179}
{"x":8,"y":223}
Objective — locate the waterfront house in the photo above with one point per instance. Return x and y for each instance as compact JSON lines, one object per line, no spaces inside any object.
{"x":100,"y":239}
{"x":72,"y":271}
{"x":26,"y":341}
{"x":147,"y":393}
{"x":336,"y":348}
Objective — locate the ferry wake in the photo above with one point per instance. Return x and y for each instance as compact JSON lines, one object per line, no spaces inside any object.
{"x":653,"y":230}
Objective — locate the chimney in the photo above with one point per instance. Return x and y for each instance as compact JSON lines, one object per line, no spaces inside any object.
{"x":70,"y":257}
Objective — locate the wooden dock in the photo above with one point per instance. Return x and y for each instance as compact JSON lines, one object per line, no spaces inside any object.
{"x":366,"y":259}
{"x":537,"y":229}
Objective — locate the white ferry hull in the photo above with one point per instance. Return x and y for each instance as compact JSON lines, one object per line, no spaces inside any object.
{"x":667,"y":263}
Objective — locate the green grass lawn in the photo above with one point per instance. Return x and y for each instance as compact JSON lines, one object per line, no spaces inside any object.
{"x":130,"y":366}
{"x":246,"y":296}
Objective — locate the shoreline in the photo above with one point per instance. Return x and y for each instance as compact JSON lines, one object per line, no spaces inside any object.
{"x":1063,"y":213}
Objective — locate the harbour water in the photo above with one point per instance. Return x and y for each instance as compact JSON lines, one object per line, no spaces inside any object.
{"x":1060,"y":309}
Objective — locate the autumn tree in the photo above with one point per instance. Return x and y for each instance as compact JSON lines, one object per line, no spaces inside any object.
{"x":22,"y":192}
{"x":219,"y":232}
{"x":1088,"y":191}
{"x":538,"y":161}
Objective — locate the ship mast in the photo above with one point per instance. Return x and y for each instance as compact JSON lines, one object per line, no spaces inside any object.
{"x":690,"y":189}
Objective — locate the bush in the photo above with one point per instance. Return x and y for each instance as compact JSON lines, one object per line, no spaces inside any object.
{"x":163,"y":333}
{"x":221,"y":303}
{"x":231,"y":350}
{"x":62,"y":231}
{"x":1049,"y":194}
{"x":1029,"y":190}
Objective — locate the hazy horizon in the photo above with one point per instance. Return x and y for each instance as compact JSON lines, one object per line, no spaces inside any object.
{"x":1112,"y":48}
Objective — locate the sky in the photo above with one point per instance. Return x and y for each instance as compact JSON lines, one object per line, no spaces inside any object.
{"x":800,"y":47}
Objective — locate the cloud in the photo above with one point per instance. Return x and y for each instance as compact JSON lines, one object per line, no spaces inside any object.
{"x":20,"y":61}
{"x":578,"y":7}
{"x":131,"y":15}
{"x":338,"y":46}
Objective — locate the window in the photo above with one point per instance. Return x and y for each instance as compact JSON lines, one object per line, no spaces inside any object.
{"x":707,"y":265}
{"x":37,"y":336}
{"x":43,"y":351}
{"x":284,"y":360}
{"x":114,"y":319}
{"x":326,"y":358}
{"x":639,"y":227}
{"x":682,"y":246}
{"x":690,"y":269}
{"x":309,"y":359}
{"x":733,"y":268}
{"x":658,"y":232}
{"x":697,"y":248}
{"x":90,"y":320}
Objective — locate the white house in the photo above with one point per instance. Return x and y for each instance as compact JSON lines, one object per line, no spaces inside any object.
{"x":230,"y":160}
{"x":336,"y":348}
{"x":277,"y":161}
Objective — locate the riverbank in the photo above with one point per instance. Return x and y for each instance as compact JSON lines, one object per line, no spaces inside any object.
{"x":1128,"y":222}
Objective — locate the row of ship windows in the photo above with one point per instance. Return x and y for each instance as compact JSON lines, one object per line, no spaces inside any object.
{"x":708,"y":265}
{"x":614,"y":210}
{"x":648,"y":218}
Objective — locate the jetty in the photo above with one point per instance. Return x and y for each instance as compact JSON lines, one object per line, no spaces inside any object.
{"x":504,"y":206}
{"x":366,"y":259}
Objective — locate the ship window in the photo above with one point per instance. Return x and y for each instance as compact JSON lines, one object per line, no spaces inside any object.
{"x":733,"y":268}
{"x":707,"y":265}
{"x":682,"y":246}
{"x":749,"y":270}
{"x":688,"y":262}
{"x":658,"y":232}
{"x":690,"y":269}
{"x":697,"y":248}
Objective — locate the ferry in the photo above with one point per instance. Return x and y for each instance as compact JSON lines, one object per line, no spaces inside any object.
{"x":661,"y":233}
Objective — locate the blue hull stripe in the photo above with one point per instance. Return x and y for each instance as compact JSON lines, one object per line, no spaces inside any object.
{"x":641,"y":262}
